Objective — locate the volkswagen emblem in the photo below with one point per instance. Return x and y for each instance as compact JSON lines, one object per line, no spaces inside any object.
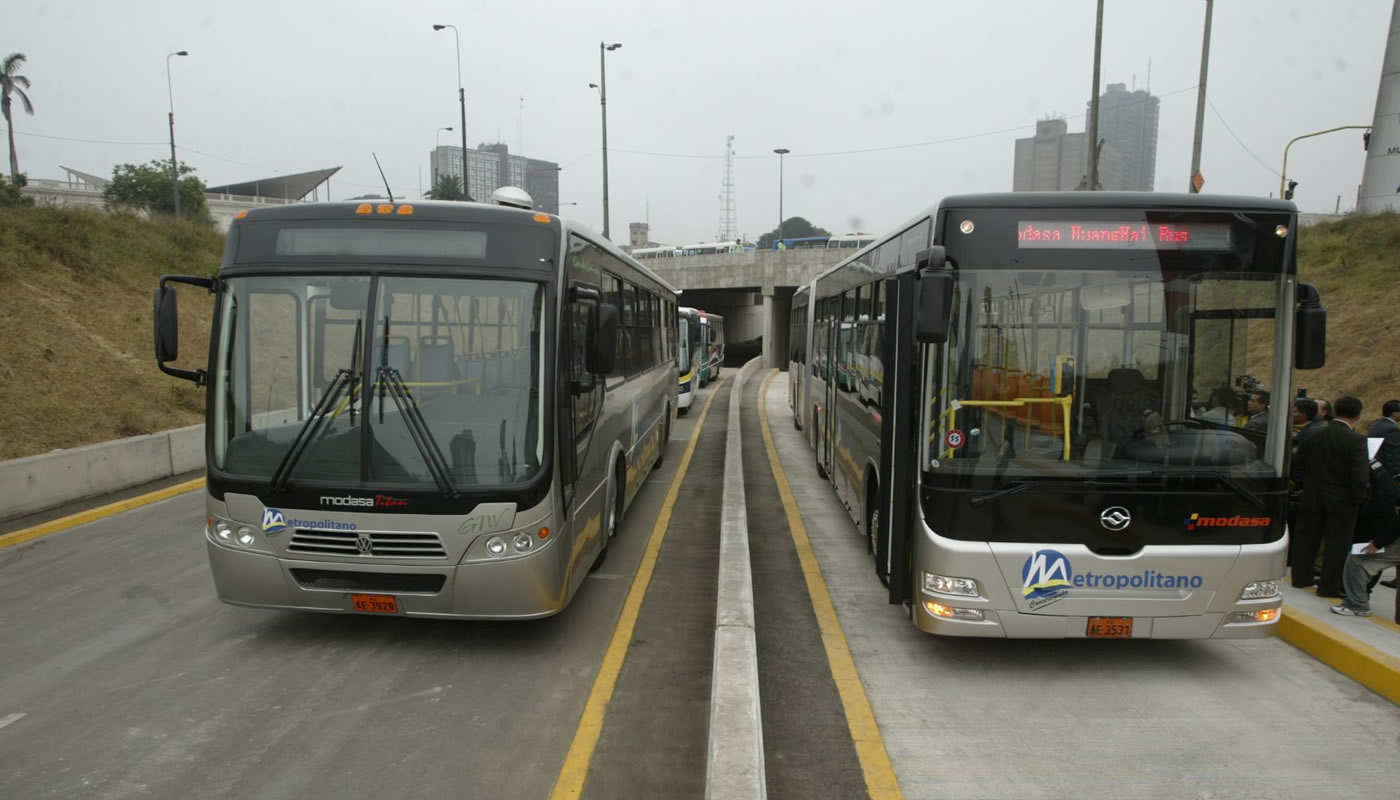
{"x":1116,"y":518}
{"x":364,"y":544}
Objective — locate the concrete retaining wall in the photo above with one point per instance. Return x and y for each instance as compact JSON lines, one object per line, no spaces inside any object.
{"x":39,"y":483}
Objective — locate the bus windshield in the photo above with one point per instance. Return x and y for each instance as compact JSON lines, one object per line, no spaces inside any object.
{"x":392,"y":381}
{"x":1141,"y":370}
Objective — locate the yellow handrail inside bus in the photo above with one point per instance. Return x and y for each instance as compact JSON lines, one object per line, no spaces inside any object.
{"x":1016,"y":402}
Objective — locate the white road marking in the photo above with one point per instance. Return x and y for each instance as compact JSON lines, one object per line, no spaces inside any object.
{"x":12,"y":718}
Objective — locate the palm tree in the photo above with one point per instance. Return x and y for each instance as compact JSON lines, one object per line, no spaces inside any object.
{"x":11,"y":82}
{"x":449,"y":187}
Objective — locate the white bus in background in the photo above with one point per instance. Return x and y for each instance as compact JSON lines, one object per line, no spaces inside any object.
{"x":431,"y":409}
{"x":710,"y":248}
{"x":644,"y":253}
{"x":850,"y":241}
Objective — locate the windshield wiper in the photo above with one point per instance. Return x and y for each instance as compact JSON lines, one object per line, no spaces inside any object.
{"x":996,"y":494}
{"x":389,"y":377}
{"x":1233,"y":483}
{"x":339,"y":384}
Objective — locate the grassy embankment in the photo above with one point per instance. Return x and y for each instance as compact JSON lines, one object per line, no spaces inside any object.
{"x":76,"y":363}
{"x":76,"y":359}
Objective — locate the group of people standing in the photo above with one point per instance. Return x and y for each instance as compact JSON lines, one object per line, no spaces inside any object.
{"x":1346,"y":501}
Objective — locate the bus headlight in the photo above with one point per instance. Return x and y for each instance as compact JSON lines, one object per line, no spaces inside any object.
{"x":223,"y":531}
{"x":1259,"y":590}
{"x":943,"y":584}
{"x":496,"y":546}
{"x":523,"y":542}
{"x":1258,"y":615}
{"x":951,"y":612}
{"x":246,"y":537}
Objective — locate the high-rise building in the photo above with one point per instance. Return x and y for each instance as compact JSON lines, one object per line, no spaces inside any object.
{"x":1128,"y":124}
{"x":1054,"y":160}
{"x":492,"y":166}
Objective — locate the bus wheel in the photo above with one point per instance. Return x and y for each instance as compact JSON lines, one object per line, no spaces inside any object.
{"x":613,"y":518}
{"x":872,"y":519}
{"x":665,"y":437}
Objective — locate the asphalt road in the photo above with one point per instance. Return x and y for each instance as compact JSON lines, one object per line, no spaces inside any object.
{"x":121,"y":675}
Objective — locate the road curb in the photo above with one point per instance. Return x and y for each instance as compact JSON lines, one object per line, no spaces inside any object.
{"x":734,"y":766}
{"x":1346,"y":654}
{"x":40,"y":483}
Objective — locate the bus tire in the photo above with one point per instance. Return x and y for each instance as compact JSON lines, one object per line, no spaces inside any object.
{"x":613,"y":518}
{"x":665,"y":437}
{"x":872,"y":512}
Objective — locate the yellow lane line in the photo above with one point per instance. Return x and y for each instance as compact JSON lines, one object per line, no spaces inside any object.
{"x":880,"y":781}
{"x":94,"y":514}
{"x":1352,"y":657}
{"x":590,"y":726}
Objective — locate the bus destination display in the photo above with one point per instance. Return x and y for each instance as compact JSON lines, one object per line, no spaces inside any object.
{"x":1107,"y":235}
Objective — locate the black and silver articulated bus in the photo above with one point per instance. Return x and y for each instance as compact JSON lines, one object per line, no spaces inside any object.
{"x":1033,"y":405}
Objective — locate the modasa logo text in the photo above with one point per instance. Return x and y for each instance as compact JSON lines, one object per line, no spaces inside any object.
{"x":1237,"y":521}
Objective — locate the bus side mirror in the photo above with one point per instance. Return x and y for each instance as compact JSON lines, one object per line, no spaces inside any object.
{"x":934,"y":296}
{"x":166,"y":317}
{"x":1310,"y":323}
{"x":602,"y":351}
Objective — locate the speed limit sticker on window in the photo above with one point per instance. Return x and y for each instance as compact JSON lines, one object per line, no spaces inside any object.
{"x":954,"y":439}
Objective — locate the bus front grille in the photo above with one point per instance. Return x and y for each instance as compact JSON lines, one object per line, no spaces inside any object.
{"x":333,"y":580}
{"x":370,"y":544}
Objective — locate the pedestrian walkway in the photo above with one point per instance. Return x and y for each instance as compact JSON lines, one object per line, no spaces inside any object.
{"x":1366,"y":649}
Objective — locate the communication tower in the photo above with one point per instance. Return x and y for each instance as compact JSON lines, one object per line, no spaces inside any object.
{"x":728,"y":226}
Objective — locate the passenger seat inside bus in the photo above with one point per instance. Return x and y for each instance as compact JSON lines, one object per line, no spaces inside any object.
{"x":1120,"y":404}
{"x":436,"y":364}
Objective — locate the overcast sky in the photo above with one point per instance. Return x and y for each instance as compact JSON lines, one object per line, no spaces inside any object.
{"x":886,"y":105}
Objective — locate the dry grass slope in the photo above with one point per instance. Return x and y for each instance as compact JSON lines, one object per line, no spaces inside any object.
{"x":76,"y":363}
{"x":1355,"y":263}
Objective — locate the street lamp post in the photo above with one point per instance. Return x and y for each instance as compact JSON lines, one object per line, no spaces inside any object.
{"x":1283,"y":176}
{"x":1200,"y":106}
{"x":781,"y":151}
{"x":174,"y":165}
{"x":603,"y":48}
{"x":461,"y":98}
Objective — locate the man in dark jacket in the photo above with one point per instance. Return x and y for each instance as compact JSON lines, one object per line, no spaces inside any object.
{"x":1338,"y":480}
{"x":1380,"y":551}
{"x":1387,"y":429}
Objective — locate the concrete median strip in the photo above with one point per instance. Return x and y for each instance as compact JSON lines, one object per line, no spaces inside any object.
{"x":734,"y":766}
{"x":51,"y":480}
{"x":1350,"y":656}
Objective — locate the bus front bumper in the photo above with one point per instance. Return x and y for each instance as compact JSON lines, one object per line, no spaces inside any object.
{"x":514,"y":588}
{"x":1017,"y":625}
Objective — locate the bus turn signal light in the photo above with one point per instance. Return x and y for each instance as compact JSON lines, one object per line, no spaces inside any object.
{"x":364,"y":208}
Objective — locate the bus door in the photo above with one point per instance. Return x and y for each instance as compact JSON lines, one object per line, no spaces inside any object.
{"x":899,"y":435}
{"x":582,"y":474}
{"x":827,"y":432}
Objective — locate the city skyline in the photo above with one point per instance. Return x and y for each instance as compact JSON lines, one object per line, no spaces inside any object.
{"x":876,"y":132}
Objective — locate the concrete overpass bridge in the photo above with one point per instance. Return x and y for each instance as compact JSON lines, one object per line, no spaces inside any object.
{"x":752,"y":291}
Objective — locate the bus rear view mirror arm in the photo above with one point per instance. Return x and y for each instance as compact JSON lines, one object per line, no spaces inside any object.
{"x":165,"y":317}
{"x":934,"y":296}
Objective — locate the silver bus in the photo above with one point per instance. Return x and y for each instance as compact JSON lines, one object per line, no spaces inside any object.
{"x":1009,"y":394}
{"x":690,"y":358}
{"x":431,"y":409}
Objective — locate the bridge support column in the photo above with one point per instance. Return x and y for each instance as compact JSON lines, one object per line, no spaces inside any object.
{"x":770,"y":330}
